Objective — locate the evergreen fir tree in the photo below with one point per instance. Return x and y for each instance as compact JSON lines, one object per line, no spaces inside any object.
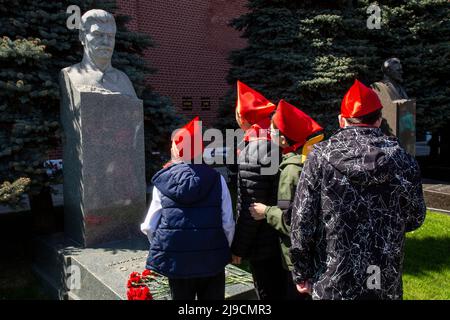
{"x":417,"y":32}
{"x":35,"y":45}
{"x":309,"y":53}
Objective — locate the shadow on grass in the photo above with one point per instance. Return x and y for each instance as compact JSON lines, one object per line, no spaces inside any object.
{"x":426,"y":254}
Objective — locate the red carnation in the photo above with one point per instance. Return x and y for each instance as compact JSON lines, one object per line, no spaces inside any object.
{"x":129,"y":284}
{"x":131,"y":293}
{"x":134,"y":274}
{"x":135,"y":277}
{"x":147,"y":273}
{"x":137,"y":288}
{"x":139,"y":293}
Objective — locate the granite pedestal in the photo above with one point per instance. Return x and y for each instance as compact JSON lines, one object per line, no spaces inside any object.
{"x":103,"y":165}
{"x":437,"y":195}
{"x":101,"y":272}
{"x":399,"y":118}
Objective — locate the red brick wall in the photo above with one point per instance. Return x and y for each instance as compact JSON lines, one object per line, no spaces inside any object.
{"x":55,"y":153}
{"x":193,"y":43}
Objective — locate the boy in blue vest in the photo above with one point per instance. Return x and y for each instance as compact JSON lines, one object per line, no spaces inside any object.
{"x":190,"y":222}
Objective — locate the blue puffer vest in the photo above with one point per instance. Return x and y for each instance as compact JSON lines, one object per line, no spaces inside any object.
{"x":189,"y":241}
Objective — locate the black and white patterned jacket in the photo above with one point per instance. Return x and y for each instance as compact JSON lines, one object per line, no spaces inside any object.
{"x":358,"y":194}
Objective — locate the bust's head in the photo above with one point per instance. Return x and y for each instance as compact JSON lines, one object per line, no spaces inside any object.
{"x":97,"y":35}
{"x":392,"y":69}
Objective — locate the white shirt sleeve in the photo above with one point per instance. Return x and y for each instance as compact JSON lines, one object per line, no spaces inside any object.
{"x":153,"y":217}
{"x":227,"y":212}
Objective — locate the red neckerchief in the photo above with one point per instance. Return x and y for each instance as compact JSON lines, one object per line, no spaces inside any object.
{"x":258,"y":131}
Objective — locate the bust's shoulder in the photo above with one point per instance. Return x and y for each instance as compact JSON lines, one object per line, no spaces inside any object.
{"x":380,"y":84}
{"x":72,"y":69}
{"x":124,"y":80}
{"x":120,"y":73}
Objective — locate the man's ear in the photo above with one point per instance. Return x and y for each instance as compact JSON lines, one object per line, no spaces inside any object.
{"x":174,"y":153}
{"x":342,"y":122}
{"x":283,"y":141}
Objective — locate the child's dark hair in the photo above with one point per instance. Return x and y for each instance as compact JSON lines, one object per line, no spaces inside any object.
{"x":367,"y":119}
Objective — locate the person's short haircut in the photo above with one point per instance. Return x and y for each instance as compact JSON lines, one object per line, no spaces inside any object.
{"x":95,"y":16}
{"x":367,"y":119}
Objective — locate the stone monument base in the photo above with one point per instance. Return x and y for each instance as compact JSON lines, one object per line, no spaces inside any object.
{"x":437,"y":195}
{"x":101,"y":272}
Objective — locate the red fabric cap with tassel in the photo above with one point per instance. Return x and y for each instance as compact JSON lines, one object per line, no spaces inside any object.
{"x":294,"y":123}
{"x":252,"y":105}
{"x":359,"y":101}
{"x":190,"y":136}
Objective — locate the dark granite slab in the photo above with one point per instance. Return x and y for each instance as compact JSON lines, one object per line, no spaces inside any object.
{"x":104,"y":167}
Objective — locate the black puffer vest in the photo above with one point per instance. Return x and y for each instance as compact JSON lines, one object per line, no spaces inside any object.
{"x":256,"y":240}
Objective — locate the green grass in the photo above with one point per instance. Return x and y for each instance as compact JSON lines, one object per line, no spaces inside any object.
{"x":426,"y":268}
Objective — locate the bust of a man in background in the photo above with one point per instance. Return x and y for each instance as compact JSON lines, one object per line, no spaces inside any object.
{"x":95,"y":73}
{"x":399,"y":111}
{"x":392,"y":82}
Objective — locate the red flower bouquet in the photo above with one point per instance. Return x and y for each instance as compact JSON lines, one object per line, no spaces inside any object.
{"x":137,"y":288}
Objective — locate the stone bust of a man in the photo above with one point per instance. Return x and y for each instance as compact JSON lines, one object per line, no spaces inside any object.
{"x":392,"y":82}
{"x":95,"y":73}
